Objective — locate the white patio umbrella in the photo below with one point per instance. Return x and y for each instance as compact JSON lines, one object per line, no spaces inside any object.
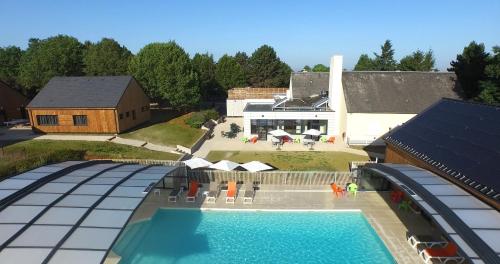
{"x":254,"y":166}
{"x":196,"y":162}
{"x":225,"y":165}
{"x":312,"y":132}
{"x":279,"y":133}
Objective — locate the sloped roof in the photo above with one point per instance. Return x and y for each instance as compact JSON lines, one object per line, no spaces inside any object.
{"x":82,"y":92}
{"x":461,"y":139}
{"x":396,"y":92}
{"x":305,"y":84}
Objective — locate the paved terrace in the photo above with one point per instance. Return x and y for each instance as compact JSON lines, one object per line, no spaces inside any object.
{"x":235,"y":144}
{"x":390,"y":223}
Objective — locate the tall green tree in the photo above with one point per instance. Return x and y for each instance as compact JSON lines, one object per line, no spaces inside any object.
{"x":385,"y":60}
{"x":320,"y":68}
{"x":55,"y":56}
{"x":365,"y":63}
{"x":204,"y":66}
{"x":242,"y":59}
{"x":166,"y":74}
{"x":266,"y":69}
{"x":106,"y":57}
{"x":229,"y":73}
{"x":306,"y":68}
{"x":417,"y":61}
{"x":490,"y":88}
{"x":470,"y":68}
{"x":9,"y":64}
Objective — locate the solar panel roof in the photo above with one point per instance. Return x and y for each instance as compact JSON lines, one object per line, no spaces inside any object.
{"x":462,"y":139}
{"x":76,"y":217}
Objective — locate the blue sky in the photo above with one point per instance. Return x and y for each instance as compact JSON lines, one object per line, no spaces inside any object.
{"x":302,"y":32}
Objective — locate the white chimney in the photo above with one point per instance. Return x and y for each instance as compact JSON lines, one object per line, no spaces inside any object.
{"x":335,"y":90}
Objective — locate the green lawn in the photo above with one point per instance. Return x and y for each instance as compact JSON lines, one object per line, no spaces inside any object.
{"x":170,"y":133}
{"x":288,"y":160}
{"x":26,"y":155}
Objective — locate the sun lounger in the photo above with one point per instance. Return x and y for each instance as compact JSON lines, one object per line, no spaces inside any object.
{"x":194,"y":188}
{"x":174,"y":194}
{"x":213,"y":192}
{"x":441,"y":254}
{"x":416,"y":241}
{"x":249,"y":193}
{"x":231,"y":192}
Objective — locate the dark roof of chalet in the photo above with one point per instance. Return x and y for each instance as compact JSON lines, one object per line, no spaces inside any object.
{"x":461,"y":139}
{"x":396,"y":92}
{"x":305,"y":84}
{"x":82,"y":92}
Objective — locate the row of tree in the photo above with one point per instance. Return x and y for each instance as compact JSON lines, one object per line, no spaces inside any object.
{"x":385,"y":61}
{"x":479,"y":73}
{"x":165,"y":70}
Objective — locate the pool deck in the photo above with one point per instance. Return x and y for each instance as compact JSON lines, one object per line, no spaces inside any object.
{"x":391,"y":224}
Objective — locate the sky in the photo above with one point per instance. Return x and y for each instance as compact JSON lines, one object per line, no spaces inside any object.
{"x":301,"y":32}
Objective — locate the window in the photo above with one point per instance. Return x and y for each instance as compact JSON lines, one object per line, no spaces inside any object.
{"x":133,"y":114}
{"x":121,"y":115}
{"x":80,"y":120}
{"x":145,"y":108}
{"x":47,"y":120}
{"x":127,"y":114}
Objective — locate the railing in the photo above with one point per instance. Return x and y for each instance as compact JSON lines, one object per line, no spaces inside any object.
{"x":274,"y":177}
{"x":150,"y":162}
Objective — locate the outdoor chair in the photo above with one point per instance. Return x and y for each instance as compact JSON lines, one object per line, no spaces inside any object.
{"x":323,"y":139}
{"x":194,"y":189}
{"x":441,"y":254}
{"x":249,"y":193}
{"x":231,"y":192}
{"x":417,"y":241}
{"x":396,"y":196}
{"x":296,"y":140}
{"x":337,"y":190}
{"x":331,"y":140}
{"x":174,"y":194}
{"x":213,"y":192}
{"x":352,"y":188}
{"x":244,"y":140}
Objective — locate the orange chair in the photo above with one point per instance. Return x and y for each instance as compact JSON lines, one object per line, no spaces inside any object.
{"x":337,"y":190}
{"x":231,"y":192}
{"x":254,"y":139}
{"x":331,"y":140}
{"x":194,"y":188}
{"x":443,"y":255}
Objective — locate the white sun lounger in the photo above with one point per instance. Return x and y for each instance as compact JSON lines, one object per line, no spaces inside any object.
{"x":213,"y":192}
{"x":249,"y":193}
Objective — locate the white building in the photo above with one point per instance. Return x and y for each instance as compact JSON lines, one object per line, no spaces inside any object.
{"x":355,"y":106}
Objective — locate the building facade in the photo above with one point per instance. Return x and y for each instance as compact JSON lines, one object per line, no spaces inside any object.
{"x":107,"y":105}
{"x":12,"y":104}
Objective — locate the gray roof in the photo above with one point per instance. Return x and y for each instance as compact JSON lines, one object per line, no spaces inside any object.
{"x":305,"y":84}
{"x":82,"y":92}
{"x":396,"y":92}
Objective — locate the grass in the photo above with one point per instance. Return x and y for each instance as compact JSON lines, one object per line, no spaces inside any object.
{"x":30,"y":154}
{"x":295,"y":161}
{"x":170,"y":133}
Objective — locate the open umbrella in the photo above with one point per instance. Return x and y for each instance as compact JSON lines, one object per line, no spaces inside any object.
{"x":312,"y":132}
{"x":195,"y":163}
{"x":224,"y":165}
{"x":279,"y":133}
{"x":254,"y":166}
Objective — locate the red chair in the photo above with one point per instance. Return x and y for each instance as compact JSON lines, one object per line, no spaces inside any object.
{"x":443,"y":255}
{"x":337,"y":190}
{"x":396,"y":196}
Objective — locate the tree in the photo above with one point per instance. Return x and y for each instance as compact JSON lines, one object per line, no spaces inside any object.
{"x":469,"y":68}
{"x":385,"y":60}
{"x":417,"y":61}
{"x":9,"y":64}
{"x":242,"y":59}
{"x":55,"y":56}
{"x":490,"y":88}
{"x":265,"y":69}
{"x":229,"y":73}
{"x":204,"y":66}
{"x":320,"y":68}
{"x":106,"y":57}
{"x":306,"y":69}
{"x":365,"y":63}
{"x":166,"y":73}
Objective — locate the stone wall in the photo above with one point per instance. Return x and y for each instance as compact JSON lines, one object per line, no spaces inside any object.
{"x":254,"y":93}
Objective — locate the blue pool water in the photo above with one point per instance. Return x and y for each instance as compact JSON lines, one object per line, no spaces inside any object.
{"x":194,"y":236}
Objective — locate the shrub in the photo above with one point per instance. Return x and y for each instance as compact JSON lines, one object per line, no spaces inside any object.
{"x":235,"y":129}
{"x":196,"y":120}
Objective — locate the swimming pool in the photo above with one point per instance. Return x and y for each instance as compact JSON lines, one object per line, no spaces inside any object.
{"x":194,"y":236}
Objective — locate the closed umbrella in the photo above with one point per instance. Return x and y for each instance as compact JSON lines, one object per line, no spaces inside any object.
{"x":195,"y":163}
{"x":254,"y":166}
{"x":225,"y":165}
